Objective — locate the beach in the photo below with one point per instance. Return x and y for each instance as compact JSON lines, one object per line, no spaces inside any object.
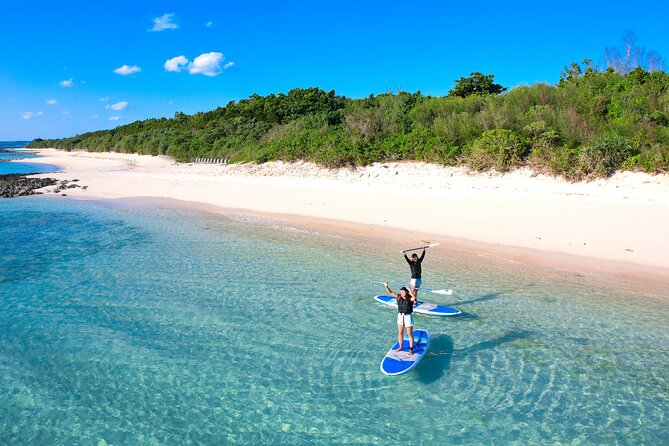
{"x":615,"y":225}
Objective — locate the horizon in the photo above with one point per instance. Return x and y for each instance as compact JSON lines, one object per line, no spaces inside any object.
{"x":99,"y":68}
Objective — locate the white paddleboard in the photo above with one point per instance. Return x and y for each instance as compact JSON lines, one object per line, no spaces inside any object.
{"x":399,"y":363}
{"x":421,"y":307}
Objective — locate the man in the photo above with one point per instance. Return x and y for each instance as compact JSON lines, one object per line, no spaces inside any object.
{"x":414,"y":264}
{"x":405,"y":302}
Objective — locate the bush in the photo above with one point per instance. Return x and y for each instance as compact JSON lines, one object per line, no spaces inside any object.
{"x":604,"y":156}
{"x":497,"y":149}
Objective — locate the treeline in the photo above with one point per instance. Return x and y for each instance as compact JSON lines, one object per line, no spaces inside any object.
{"x":591,"y":123}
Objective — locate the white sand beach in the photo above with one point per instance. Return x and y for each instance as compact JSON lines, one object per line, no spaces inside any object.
{"x":622,"y":220}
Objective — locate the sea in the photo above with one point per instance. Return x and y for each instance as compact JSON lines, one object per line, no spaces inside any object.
{"x":14,"y":150}
{"x":125,"y":323}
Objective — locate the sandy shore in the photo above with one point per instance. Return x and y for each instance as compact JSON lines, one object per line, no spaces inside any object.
{"x":623,"y":220}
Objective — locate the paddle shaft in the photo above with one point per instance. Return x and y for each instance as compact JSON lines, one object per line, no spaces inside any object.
{"x":420,"y":247}
{"x":446,"y":292}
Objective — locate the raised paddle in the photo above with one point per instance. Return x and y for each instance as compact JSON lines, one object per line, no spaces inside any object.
{"x":431,"y":245}
{"x":445,"y":292}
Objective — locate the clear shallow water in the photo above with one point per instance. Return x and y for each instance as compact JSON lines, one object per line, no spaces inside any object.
{"x":128,"y":326}
{"x":23,"y":167}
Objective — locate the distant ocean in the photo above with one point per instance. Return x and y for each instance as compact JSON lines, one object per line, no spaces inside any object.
{"x":13,"y":144}
{"x":21,"y":167}
{"x":126,"y":325}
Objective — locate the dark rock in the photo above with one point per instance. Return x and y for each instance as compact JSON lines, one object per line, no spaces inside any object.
{"x":16,"y":185}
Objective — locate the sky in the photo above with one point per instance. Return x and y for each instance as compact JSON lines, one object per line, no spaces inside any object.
{"x":70,"y":67}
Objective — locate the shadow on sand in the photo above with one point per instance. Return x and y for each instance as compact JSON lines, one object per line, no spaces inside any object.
{"x":511,"y":336}
{"x":475,"y":300}
{"x":441,"y":352}
{"x":438,"y":359}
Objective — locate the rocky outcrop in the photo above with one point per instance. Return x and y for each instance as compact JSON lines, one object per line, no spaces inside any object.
{"x":16,"y":185}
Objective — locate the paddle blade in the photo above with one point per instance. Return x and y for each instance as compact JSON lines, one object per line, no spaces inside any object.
{"x":444,"y":292}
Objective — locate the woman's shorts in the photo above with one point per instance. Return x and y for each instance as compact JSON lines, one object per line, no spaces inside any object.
{"x":405,"y":319}
{"x":415,"y":283}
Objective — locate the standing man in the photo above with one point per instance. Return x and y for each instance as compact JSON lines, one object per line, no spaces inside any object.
{"x":405,"y":302}
{"x":414,"y":264}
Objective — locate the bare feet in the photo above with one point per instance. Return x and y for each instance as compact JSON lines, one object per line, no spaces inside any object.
{"x":399,"y":349}
{"x":410,"y":351}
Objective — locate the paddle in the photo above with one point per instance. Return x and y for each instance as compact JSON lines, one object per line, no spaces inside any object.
{"x":431,"y":245}
{"x":444,"y":292}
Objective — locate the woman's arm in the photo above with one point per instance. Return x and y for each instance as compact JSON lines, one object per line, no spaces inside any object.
{"x":422,"y":256}
{"x":389,"y":291}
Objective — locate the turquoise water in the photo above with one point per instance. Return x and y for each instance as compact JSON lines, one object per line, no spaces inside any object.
{"x":22,"y":167}
{"x":160,"y":326}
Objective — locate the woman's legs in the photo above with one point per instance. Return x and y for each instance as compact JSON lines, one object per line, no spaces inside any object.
{"x":410,"y":333}
{"x":400,"y":336}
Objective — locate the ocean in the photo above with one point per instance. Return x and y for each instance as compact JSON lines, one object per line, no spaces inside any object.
{"x":145,"y":325}
{"x":7,"y":153}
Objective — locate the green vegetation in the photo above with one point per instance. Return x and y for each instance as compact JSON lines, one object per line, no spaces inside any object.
{"x":476,"y":83}
{"x":591,"y":123}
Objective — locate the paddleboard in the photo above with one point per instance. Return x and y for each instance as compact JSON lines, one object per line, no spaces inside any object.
{"x":421,"y":307}
{"x":399,"y":363}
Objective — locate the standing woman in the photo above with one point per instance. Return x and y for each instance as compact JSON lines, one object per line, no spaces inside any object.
{"x":416,"y":270}
{"x":405,"y":302}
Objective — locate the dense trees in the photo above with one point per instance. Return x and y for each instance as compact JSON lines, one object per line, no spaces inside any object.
{"x":590,"y":124}
{"x":476,"y":83}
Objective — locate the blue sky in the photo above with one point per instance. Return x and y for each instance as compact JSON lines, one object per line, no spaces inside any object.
{"x":59,"y":58}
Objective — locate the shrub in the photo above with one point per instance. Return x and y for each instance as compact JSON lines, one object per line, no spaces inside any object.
{"x":498,"y":149}
{"x":605,"y":155}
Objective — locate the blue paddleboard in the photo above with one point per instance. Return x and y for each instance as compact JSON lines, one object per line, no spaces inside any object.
{"x":421,"y":307}
{"x":399,"y":363}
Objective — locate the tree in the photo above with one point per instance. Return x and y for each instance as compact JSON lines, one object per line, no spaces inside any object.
{"x":632,"y":56}
{"x":574,"y":71}
{"x":476,"y":83}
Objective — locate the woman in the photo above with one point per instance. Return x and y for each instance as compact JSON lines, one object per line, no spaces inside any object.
{"x":415,"y":265}
{"x":405,"y":302}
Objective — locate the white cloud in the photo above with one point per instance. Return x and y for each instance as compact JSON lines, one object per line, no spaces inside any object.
{"x":51,"y":102}
{"x":118,"y":106}
{"x":164,"y":22}
{"x":67,"y":83}
{"x":209,"y":24}
{"x":114,"y":118}
{"x":208,"y":64}
{"x":176,"y":64}
{"x":105,"y":99}
{"x":30,"y":115}
{"x":126,"y":70}
{"x":95,"y":116}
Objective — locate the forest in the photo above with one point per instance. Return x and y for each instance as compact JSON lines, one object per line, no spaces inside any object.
{"x":592,"y":123}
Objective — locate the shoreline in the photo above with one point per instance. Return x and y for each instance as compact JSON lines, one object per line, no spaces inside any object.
{"x":583,"y":270}
{"x":611,"y":228}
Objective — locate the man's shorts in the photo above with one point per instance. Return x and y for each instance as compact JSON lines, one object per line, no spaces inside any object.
{"x":405,"y":319}
{"x":415,"y":283}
